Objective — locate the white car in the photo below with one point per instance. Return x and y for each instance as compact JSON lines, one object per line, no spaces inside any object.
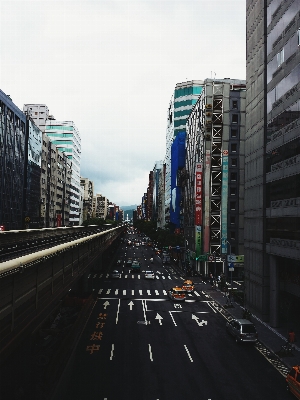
{"x":149,"y":275}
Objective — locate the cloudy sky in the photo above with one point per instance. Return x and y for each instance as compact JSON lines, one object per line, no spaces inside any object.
{"x":111,"y":67}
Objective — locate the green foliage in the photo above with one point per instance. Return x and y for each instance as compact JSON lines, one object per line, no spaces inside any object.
{"x":162,"y":236}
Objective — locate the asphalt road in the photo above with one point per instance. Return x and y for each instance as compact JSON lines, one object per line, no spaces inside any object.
{"x":139,"y":345}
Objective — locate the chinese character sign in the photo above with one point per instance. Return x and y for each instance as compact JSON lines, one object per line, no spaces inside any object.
{"x":198,"y":193}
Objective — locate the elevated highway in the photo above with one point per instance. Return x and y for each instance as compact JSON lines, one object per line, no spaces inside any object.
{"x":32,"y":285}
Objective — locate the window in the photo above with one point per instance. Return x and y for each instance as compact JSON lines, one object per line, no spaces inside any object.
{"x":232,"y":235}
{"x":233,"y":147}
{"x":298,"y":33}
{"x":232,"y":191}
{"x":232,"y":220}
{"x":232,"y":205}
{"x":235,"y":118}
{"x":234,"y":104}
{"x":233,"y":133}
{"x":234,"y":162}
{"x":233,"y":176}
{"x":280,"y":57}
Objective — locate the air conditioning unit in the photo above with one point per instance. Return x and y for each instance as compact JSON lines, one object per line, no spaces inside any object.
{"x":208,"y":106}
{"x":207,"y":123}
{"x":208,"y":114}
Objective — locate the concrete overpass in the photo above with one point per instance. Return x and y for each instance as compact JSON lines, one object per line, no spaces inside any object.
{"x":32,"y":286}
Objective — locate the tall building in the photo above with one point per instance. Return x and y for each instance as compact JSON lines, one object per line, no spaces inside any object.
{"x":66,"y":137}
{"x":12,"y":163}
{"x":32,"y":190}
{"x":156,"y":183}
{"x":272,"y":168}
{"x":182,"y":101}
{"x":213,"y":177}
{"x":100,"y":206}
{"x":88,"y":193}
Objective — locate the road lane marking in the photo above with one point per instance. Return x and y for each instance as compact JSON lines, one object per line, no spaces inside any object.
{"x":116,"y":291}
{"x":132,"y":276}
{"x":132,"y":292}
{"x":144,"y":310}
{"x":107,"y":275}
{"x":130,"y":305}
{"x":100,"y":276}
{"x":112,"y":351}
{"x":150,"y":352}
{"x":165,"y":292}
{"x":126,"y":276}
{"x":170,"y":312}
{"x":139,"y":276}
{"x":210,"y":305}
{"x":156,"y":292}
{"x":159,"y":317}
{"x":148,"y":293}
{"x":117,"y":318}
{"x":196,"y":293}
{"x":100,"y":291}
{"x":108,"y":291}
{"x":124,"y":292}
{"x":188,"y":353}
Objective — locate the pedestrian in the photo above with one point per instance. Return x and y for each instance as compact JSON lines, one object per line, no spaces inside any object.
{"x":291,"y":336}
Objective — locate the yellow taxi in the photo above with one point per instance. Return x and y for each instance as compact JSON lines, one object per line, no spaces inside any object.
{"x":188,"y":286}
{"x":177,"y":294}
{"x":293,"y":381}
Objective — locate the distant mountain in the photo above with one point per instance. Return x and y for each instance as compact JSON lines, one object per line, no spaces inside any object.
{"x":125,"y":208}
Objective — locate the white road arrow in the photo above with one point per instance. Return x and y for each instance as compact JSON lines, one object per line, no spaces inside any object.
{"x":106,"y":304}
{"x":199,"y":323}
{"x":130,"y":305}
{"x":159,"y":319}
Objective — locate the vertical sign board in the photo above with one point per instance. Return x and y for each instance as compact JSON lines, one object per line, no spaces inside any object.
{"x":207,"y":201}
{"x":224,"y":201}
{"x":198,"y":237}
{"x":198,"y":193}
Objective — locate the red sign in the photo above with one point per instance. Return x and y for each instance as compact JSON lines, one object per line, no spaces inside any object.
{"x":198,"y":193}
{"x":58,"y":220}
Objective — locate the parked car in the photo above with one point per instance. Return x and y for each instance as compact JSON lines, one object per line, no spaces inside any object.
{"x":293,"y":381}
{"x":116,"y":274}
{"x":242,"y":330}
{"x":149,"y":275}
{"x":188,"y":286}
{"x":177,"y":294}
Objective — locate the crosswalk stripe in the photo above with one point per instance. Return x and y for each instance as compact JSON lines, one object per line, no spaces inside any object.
{"x":132,"y":292}
{"x":148,"y":293}
{"x":165,"y":292}
{"x":108,"y":291}
{"x":124,"y":292}
{"x":196,"y":293}
{"x":140,"y":292}
{"x":100,"y":291}
{"x":116,"y":291}
{"x":156,"y":292}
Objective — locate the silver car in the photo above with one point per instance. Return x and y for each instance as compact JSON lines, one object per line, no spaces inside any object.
{"x":149,"y":275}
{"x":116,"y":274}
{"x":242,"y":330}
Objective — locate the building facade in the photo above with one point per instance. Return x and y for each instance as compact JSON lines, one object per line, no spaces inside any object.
{"x":272,"y":169}
{"x":32,"y":190}
{"x":182,"y":101}
{"x":213,"y":177}
{"x":88,"y":193}
{"x":100,"y":206}
{"x":66,"y":137}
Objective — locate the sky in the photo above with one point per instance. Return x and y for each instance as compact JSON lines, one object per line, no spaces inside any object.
{"x":111,"y":67}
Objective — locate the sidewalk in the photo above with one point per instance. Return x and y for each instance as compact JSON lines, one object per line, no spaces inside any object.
{"x":271,"y":338}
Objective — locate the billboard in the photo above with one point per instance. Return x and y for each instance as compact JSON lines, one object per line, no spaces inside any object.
{"x":198,"y":193}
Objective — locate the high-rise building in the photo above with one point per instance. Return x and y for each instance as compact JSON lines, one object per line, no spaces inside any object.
{"x":272,"y":168}
{"x":33,"y":155}
{"x":12,"y":163}
{"x":213,"y":177}
{"x":182,"y":101}
{"x":88,"y":193}
{"x":66,"y":137}
{"x":100,"y":206}
{"x":156,"y":184}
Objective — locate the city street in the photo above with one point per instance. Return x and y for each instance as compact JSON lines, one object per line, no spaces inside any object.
{"x":139,"y":344}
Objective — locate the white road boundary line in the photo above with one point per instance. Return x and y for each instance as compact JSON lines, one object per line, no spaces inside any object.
{"x":150,"y":352}
{"x":117,"y":318}
{"x":188,"y":353}
{"x":112,"y":351}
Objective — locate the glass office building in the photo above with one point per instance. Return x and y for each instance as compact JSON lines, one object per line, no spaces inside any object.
{"x":272,"y":170}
